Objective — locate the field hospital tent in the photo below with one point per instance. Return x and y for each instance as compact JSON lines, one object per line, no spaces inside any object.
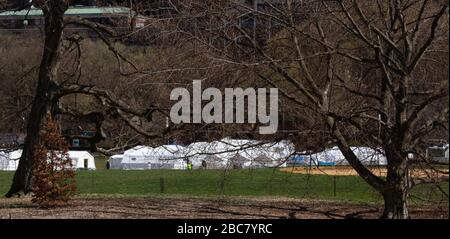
{"x":334,"y":156}
{"x":278,"y":152}
{"x":260,"y":161}
{"x":438,"y":153}
{"x":216,"y":155}
{"x":162,"y":157}
{"x":137,"y":158}
{"x":225,"y":153}
{"x":168,"y":157}
{"x":272,"y":154}
{"x":115,"y":161}
{"x":80,"y":160}
{"x":232,"y":153}
{"x":9,"y":160}
{"x":237,"y":161}
{"x":203,"y":152}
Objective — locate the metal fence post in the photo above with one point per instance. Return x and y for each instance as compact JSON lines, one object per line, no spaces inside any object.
{"x":161,"y":184}
{"x":334,"y":185}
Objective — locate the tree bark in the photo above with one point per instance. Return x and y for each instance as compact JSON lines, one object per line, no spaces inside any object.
{"x":395,"y":204}
{"x":374,"y":181}
{"x":396,"y":192}
{"x":54,"y":24}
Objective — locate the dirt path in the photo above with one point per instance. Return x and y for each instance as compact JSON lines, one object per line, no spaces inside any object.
{"x":349,"y":171}
{"x":237,"y":208}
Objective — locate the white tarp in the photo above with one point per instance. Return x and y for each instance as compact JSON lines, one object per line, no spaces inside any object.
{"x":9,"y":161}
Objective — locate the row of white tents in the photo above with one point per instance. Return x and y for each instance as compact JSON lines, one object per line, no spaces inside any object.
{"x":230,"y":153}
{"x":333,"y":156}
{"x":9,"y":160}
{"x":225,"y":153}
{"x":368,"y":156}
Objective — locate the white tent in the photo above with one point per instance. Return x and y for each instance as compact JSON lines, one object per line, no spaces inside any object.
{"x":200,"y":152}
{"x":82,"y":160}
{"x":216,"y":155}
{"x":168,"y":157}
{"x":367,"y":156}
{"x":9,"y":161}
{"x":438,"y":153}
{"x":445,"y":158}
{"x":278,"y":152}
{"x":163,"y":157}
{"x":137,"y":158}
{"x":234,"y":153}
{"x":115,"y":161}
{"x":225,"y":153}
{"x":258,"y":154}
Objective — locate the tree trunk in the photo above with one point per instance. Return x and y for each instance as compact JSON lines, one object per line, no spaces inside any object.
{"x":396,"y":192}
{"x":54,"y":24}
{"x":395,"y":204}
{"x":395,"y":189}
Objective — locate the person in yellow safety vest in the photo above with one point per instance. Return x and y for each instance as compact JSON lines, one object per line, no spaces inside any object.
{"x":189,"y":165}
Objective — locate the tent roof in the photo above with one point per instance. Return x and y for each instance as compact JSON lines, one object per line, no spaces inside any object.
{"x":139,"y":151}
{"x":250,"y":149}
{"x":80,"y":154}
{"x":11,"y":155}
{"x":168,"y":151}
{"x":365,"y":154}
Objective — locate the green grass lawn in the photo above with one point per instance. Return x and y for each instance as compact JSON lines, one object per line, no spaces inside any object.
{"x":261,"y":182}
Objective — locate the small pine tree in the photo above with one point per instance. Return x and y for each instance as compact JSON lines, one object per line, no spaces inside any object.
{"x":54,"y":179}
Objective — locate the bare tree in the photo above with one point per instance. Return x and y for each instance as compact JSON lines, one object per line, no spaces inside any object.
{"x":375,"y":72}
{"x":54,"y":84}
{"x":364,"y":73}
{"x":53,"y":12}
{"x":3,"y":4}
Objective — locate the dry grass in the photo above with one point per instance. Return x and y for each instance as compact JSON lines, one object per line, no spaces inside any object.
{"x":230,"y":208}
